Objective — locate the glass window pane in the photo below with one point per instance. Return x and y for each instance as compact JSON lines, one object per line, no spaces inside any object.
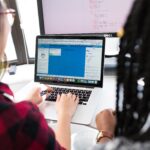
{"x":10,"y":49}
{"x":29,"y":23}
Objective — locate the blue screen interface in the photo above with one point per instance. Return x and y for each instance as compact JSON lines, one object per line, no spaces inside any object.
{"x":70,"y":60}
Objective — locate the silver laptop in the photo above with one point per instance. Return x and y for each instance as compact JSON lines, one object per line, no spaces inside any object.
{"x":71,"y":64}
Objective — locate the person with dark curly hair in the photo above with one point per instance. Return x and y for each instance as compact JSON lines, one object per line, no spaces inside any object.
{"x":129,"y":127}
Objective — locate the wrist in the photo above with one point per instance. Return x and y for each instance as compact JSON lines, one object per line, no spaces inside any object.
{"x":104,"y":136}
{"x":64,"y":117}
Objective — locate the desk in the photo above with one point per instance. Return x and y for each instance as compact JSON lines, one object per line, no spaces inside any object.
{"x":82,"y":133}
{"x":87,"y":134}
{"x":107,"y":100}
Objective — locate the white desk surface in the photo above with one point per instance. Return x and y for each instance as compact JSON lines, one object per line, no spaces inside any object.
{"x":22,"y":82}
{"x":107,"y":100}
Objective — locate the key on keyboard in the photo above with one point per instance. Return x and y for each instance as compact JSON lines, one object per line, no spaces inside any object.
{"x":82,"y":94}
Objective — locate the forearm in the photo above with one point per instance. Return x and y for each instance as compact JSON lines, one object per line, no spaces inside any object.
{"x":63,"y":132}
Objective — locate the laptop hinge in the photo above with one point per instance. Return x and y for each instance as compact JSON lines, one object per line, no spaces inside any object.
{"x":71,"y":85}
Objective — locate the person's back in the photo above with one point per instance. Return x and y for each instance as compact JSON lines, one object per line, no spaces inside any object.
{"x":132,"y":127}
{"x":22,"y":126}
{"x":121,"y":144}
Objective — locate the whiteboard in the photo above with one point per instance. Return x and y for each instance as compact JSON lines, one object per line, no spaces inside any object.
{"x":84,"y":16}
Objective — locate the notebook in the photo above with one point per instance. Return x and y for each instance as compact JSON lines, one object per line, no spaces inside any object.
{"x":71,"y":64}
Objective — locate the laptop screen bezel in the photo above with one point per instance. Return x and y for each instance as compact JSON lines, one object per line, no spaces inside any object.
{"x":37,"y":79}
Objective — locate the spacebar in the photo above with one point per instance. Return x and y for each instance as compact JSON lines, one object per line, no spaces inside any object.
{"x":53,"y":100}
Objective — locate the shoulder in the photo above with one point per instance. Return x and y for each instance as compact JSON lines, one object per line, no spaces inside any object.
{"x":30,"y":116}
{"x":26,"y":128}
{"x":122,"y":143}
{"x":33,"y":130}
{"x":25,"y":108}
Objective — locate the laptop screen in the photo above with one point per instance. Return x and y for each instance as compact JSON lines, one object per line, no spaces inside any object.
{"x":76,"y":60}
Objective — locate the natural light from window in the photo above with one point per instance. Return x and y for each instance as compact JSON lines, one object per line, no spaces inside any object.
{"x":10,"y":49}
{"x":29,"y":23}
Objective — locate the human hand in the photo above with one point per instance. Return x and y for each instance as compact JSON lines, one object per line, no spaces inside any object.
{"x":66,"y":105}
{"x":106,"y":121}
{"x":34,"y":95}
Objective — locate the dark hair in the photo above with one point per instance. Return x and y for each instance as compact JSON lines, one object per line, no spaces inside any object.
{"x":133,"y":98}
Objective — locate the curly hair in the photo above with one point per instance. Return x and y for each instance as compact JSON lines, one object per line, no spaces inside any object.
{"x":133,"y":98}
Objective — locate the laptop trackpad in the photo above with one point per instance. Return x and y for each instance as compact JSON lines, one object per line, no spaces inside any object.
{"x":48,"y":109}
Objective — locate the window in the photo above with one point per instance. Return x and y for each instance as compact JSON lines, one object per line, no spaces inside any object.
{"x":29,"y":23}
{"x":26,"y":26}
{"x":10,"y":49}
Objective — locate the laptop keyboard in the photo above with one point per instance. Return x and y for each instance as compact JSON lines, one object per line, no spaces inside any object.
{"x":82,"y":94}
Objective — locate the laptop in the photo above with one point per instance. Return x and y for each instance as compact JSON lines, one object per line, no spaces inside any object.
{"x":71,"y":64}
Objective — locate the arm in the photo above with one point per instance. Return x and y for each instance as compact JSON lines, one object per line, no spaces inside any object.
{"x":32,"y":130}
{"x":106,"y":121}
{"x":66,"y":105}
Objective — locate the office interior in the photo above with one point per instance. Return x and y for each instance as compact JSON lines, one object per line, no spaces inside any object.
{"x":20,"y":51}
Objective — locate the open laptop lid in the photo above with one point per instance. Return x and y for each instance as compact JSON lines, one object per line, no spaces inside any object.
{"x":69,"y":60}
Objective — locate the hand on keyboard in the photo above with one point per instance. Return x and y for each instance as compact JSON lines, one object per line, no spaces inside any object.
{"x":35,"y":95}
{"x":82,"y":94}
{"x":66,"y":105}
